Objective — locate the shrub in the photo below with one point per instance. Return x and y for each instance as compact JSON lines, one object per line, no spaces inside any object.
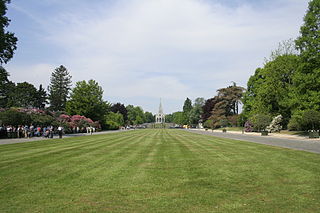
{"x":310,"y":120}
{"x":295,"y":121}
{"x":248,"y":126}
{"x":260,"y":122}
{"x":275,"y":125}
{"x":14,"y":117}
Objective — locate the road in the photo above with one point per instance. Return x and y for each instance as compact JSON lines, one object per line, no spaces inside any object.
{"x":309,"y":145}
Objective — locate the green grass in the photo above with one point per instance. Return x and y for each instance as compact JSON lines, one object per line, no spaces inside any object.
{"x":156,"y":171}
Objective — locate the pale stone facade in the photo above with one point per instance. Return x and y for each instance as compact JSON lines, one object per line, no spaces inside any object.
{"x":160,"y":117}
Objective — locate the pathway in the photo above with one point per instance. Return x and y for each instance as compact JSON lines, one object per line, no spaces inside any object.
{"x":286,"y":141}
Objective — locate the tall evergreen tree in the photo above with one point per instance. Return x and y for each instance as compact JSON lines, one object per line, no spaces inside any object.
{"x":8,"y":41}
{"x":59,"y":88}
{"x":41,"y":98}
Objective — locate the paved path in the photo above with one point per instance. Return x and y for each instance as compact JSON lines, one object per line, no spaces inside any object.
{"x":309,"y":145}
{"x":23,"y":140}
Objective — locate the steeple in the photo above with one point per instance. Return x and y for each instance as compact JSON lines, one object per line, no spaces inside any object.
{"x":160,"y":108}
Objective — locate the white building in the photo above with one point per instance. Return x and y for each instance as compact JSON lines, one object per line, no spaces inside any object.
{"x":160,"y":117}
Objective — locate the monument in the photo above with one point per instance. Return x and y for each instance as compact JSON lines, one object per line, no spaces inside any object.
{"x":160,"y":116}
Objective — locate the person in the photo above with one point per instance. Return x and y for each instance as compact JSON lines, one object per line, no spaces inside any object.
{"x":51,"y":131}
{"x":60,"y":131}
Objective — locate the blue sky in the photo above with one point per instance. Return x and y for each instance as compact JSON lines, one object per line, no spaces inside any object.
{"x":143,"y":50}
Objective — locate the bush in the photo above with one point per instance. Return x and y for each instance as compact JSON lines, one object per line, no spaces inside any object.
{"x":295,"y":121}
{"x":260,"y":122}
{"x":248,"y":126}
{"x":275,"y":125}
{"x":14,"y":117}
{"x":305,"y":120}
{"x":310,"y":120}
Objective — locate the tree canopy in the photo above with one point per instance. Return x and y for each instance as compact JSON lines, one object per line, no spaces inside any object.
{"x":8,"y":41}
{"x":59,"y":88}
{"x":86,"y":99}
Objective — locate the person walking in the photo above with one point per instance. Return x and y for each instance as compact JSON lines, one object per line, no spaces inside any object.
{"x":60,"y":131}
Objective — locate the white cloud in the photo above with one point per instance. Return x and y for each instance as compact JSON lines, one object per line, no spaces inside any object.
{"x":170,"y":48}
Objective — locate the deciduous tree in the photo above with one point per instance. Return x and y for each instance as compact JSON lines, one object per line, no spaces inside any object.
{"x":8,"y":41}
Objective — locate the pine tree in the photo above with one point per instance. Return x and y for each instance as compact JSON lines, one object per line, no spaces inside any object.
{"x":41,"y":98}
{"x":59,"y":88}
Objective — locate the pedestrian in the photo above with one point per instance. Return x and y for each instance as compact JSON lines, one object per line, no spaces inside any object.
{"x":60,"y":131}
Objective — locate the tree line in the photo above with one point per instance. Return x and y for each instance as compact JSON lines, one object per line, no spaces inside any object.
{"x":287,"y":85}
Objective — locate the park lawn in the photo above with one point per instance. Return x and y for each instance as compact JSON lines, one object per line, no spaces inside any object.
{"x":156,"y":171}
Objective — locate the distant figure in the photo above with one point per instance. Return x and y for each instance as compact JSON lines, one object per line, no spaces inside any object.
{"x":60,"y":131}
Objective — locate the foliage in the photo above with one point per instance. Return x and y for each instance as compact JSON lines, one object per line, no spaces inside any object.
{"x":187,"y":106}
{"x":86,"y":99}
{"x":114,"y":120}
{"x":120,"y":108}
{"x":209,"y":124}
{"x":169,"y":118}
{"x":23,"y":95}
{"x":41,"y":98}
{"x":306,"y":93}
{"x":196,"y":111}
{"x":223,"y":108}
{"x":208,"y":107}
{"x":135,"y":115}
{"x":179,"y":118}
{"x":8,"y":41}
{"x":14,"y":117}
{"x":5,"y":87}
{"x":275,"y":125}
{"x":149,"y":117}
{"x":248,"y":126}
{"x":269,"y":88}
{"x":260,"y":121}
{"x":310,"y":120}
{"x":59,"y":88}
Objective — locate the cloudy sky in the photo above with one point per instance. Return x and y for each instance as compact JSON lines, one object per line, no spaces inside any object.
{"x":143,"y":50}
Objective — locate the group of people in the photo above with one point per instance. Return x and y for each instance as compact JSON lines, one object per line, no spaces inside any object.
{"x":25,"y":131}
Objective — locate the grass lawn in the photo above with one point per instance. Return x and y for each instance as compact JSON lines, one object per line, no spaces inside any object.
{"x":156,"y":171}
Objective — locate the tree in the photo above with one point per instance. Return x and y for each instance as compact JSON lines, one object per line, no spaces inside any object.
{"x":187,"y":107}
{"x":307,"y":78}
{"x":59,"y":88}
{"x":179,"y":118}
{"x":23,"y":95}
{"x":8,"y":41}
{"x":113,"y":120}
{"x":120,"y":108}
{"x":135,"y":115}
{"x":41,"y":98}
{"x":196,"y":111}
{"x":208,"y":107}
{"x":86,"y":99}
{"x":149,"y":117}
{"x":270,"y":88}
{"x":169,"y":118}
{"x":6,"y":87}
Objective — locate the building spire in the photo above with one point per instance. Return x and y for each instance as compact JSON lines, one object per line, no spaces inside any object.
{"x":160,"y":108}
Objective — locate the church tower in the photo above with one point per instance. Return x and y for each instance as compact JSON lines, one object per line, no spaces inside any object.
{"x":160,"y":117}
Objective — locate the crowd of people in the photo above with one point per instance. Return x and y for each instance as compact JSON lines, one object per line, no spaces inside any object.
{"x":25,"y":131}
